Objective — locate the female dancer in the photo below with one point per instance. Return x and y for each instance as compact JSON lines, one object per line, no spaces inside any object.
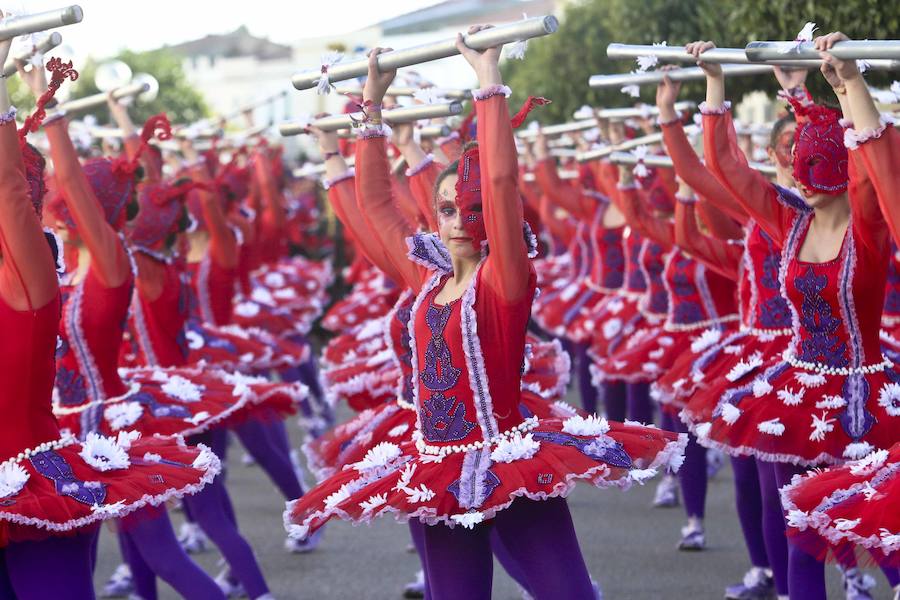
{"x":820,"y":404}
{"x":54,"y":488}
{"x":855,"y":505}
{"x":474,"y":456}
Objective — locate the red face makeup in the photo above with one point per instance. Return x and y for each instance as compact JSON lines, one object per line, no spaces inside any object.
{"x":468,"y":197}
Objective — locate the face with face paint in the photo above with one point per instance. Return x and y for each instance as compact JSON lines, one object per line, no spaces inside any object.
{"x":461,"y":228}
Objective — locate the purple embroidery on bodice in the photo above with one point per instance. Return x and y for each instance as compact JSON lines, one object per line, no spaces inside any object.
{"x":634,"y":276}
{"x":685,"y":306}
{"x":819,"y":344}
{"x":70,"y":387}
{"x":892,"y":291}
{"x":653,"y":266}
{"x":443,"y":418}
{"x":404,"y":352}
{"x":612,"y":259}
{"x":54,"y":467}
{"x":773,"y":311}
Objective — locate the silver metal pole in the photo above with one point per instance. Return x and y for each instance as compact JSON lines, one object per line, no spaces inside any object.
{"x":625,"y":158}
{"x":653,"y":138}
{"x":687,"y":74}
{"x":734,"y":56}
{"x":849,"y":50}
{"x":529,"y":177}
{"x":502,"y":34}
{"x":255,"y":104}
{"x":398,"y":115}
{"x":25,"y":24}
{"x":94,"y":100}
{"x":450,"y":94}
{"x":310,"y":170}
{"x":46,"y":44}
{"x":607,"y":113}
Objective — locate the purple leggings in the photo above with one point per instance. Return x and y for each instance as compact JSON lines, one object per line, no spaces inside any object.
{"x":268,"y":444}
{"x":211,"y":509}
{"x":583,"y":369}
{"x":615,"y":397}
{"x":627,"y":401}
{"x":55,"y":567}
{"x":416,"y":530}
{"x":151,"y":549}
{"x":748,"y":501}
{"x":692,"y":476}
{"x":538,"y":535}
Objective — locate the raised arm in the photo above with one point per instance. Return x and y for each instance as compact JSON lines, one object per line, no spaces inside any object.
{"x":421,"y":174}
{"x":274,"y":217}
{"x":151,"y":163}
{"x":636,"y":214}
{"x":560,"y":192}
{"x":223,"y":245}
{"x":27,"y":277}
{"x":719,"y":255}
{"x":728,"y":164}
{"x":508,"y":268}
{"x":373,"y":180}
{"x":341,"y":186}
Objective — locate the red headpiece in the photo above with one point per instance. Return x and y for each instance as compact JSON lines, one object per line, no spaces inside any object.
{"x":161,"y":208}
{"x":820,"y":157}
{"x":34,"y":162}
{"x":114,"y":180}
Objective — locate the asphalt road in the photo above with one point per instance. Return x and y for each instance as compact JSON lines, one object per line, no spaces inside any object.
{"x":629,"y":547}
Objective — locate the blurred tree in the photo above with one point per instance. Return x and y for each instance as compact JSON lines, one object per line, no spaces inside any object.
{"x":177,"y":98}
{"x":558,"y":66}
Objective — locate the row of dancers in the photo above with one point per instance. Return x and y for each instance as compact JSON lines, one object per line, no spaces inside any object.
{"x":171,"y":314}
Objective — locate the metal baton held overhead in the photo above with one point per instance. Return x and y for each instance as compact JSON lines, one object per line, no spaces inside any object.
{"x":734,"y":56}
{"x":644,"y":140}
{"x":25,"y":24}
{"x":252,"y":105}
{"x":451,"y":94}
{"x":46,"y":44}
{"x":626,"y":158}
{"x":94,"y":100}
{"x":687,"y":74}
{"x":487,"y":38}
{"x":849,"y":50}
{"x":396,"y":115}
{"x":426,"y":133}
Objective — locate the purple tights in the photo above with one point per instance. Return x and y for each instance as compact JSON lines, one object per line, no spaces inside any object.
{"x":540,"y":538}
{"x":151,"y":549}
{"x":640,"y":407}
{"x":267,"y":445}
{"x":692,"y":476}
{"x":748,"y":501}
{"x":416,"y":530}
{"x":585,"y":385}
{"x":773,"y":525}
{"x":614,"y":400}
{"x":211,"y":509}
{"x":55,"y":567}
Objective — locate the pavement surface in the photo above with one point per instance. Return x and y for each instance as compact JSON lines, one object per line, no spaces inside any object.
{"x":630,"y":548}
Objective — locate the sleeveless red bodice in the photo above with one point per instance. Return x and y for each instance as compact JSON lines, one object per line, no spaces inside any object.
{"x":696,"y":294}
{"x":160,"y":323}
{"x":91,"y":329}
{"x":214,"y":288}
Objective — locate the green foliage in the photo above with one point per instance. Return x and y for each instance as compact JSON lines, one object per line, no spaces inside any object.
{"x":177,"y":98}
{"x":558,"y":66}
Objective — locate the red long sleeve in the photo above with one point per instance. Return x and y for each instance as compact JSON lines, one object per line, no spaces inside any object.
{"x":421,"y":184}
{"x":507,"y":267}
{"x":870,"y":226}
{"x":718,"y":255}
{"x":881,"y":157}
{"x":149,"y":161}
{"x":692,"y":171}
{"x":563,"y":229}
{"x":108,"y":258}
{"x":560,"y":192}
{"x":27,"y":276}
{"x":376,"y":204}
{"x":720,"y":225}
{"x":750,"y":188}
{"x":342,"y":197}
{"x":630,"y":203}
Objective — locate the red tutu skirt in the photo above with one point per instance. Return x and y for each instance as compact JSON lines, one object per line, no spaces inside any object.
{"x":698,"y":392}
{"x":617,"y":319}
{"x":548,"y":369}
{"x":63,"y":486}
{"x":544,"y":459}
{"x":834,"y":513}
{"x":787,"y":413}
{"x":563,"y":312}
